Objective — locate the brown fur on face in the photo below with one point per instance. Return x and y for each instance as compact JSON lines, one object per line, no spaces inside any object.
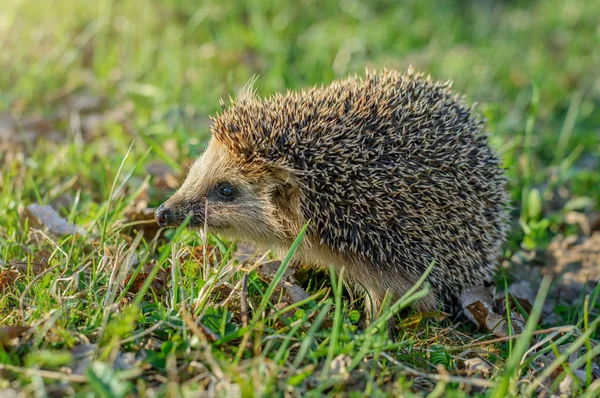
{"x":265,"y":209}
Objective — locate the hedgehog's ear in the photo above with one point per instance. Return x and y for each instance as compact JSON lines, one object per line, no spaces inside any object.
{"x":284,"y":192}
{"x":285,"y":199}
{"x":285,"y":189}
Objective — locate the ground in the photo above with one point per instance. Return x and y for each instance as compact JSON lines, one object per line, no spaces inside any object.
{"x":104,"y":104}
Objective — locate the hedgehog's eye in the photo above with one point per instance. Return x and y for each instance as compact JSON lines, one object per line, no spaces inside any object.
{"x":226,"y":191}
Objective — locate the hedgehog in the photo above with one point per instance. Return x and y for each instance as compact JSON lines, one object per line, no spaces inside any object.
{"x":391,"y":172}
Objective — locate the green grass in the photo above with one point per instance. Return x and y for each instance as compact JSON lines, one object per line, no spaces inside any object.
{"x":159,"y":69}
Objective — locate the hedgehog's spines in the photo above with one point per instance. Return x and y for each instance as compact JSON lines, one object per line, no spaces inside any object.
{"x":394,"y":169}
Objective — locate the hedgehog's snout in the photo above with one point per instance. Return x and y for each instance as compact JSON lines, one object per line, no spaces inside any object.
{"x":174,"y":213}
{"x":164,"y":216}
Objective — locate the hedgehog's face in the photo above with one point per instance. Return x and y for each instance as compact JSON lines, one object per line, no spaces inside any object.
{"x":224,"y":197}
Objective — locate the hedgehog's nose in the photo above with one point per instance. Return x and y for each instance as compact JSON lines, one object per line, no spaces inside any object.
{"x":163,"y":216}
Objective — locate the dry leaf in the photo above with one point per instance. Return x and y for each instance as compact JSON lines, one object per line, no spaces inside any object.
{"x":523,"y":293}
{"x":551,"y":356}
{"x":573,"y":262}
{"x":143,"y":219}
{"x":38,"y":264}
{"x":583,"y":220}
{"x":45,"y":217}
{"x":9,"y":333}
{"x":268,"y":270}
{"x":7,"y":278}
{"x":568,"y":385}
{"x":159,"y":282}
{"x":339,"y":366}
{"x":476,"y":366}
{"x":213,"y":254}
{"x":294,"y":292}
{"x":288,"y":284}
{"x":477,"y":304}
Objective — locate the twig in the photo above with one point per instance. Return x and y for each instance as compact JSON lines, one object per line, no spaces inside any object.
{"x":539,"y":344}
{"x":48,"y":374}
{"x":244,"y":299}
{"x":560,"y":329}
{"x":141,"y":334}
{"x":238,"y":284}
{"x":444,"y":378}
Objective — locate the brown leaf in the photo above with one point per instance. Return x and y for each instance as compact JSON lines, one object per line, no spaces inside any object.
{"x":141,"y":214}
{"x":574,"y":262}
{"x":268,"y":270}
{"x":213,"y":254}
{"x":45,"y":217}
{"x":159,"y":282}
{"x":9,"y":333}
{"x":567,"y":384}
{"x":144,"y":221}
{"x":339,"y":365}
{"x":475,"y":366}
{"x":137,"y":283}
{"x":595,"y":223}
{"x":521,"y":292}
{"x":287,"y":286}
{"x":7,"y":278}
{"x":294,"y":292}
{"x":38,"y":264}
{"x":478,"y":307}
